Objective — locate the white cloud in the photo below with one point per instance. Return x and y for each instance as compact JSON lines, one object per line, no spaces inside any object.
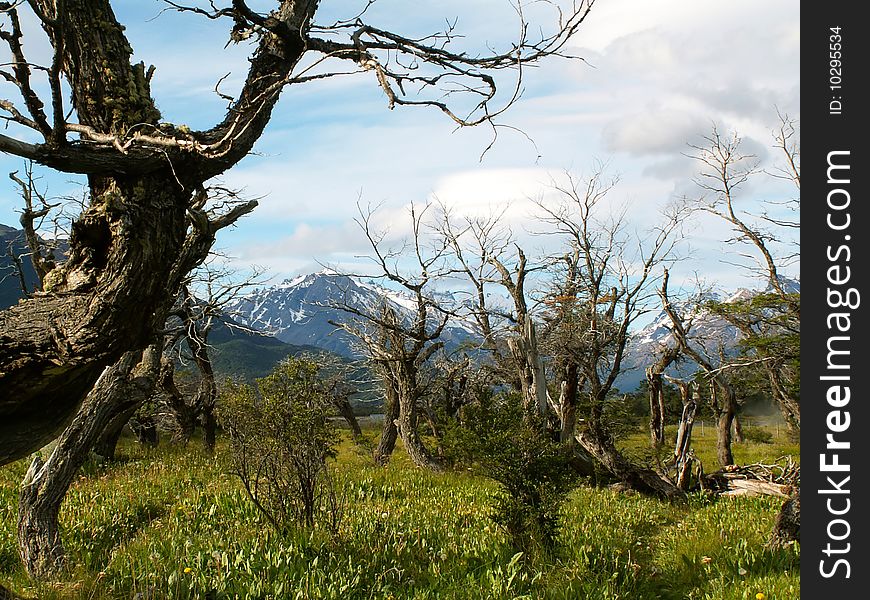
{"x":662,"y":72}
{"x":656,"y":131}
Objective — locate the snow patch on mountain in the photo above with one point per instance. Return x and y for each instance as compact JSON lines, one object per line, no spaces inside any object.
{"x":302,"y":310}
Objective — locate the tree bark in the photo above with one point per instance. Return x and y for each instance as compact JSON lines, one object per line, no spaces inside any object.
{"x":206,"y":393}
{"x":569,"y":393}
{"x":642,"y":480}
{"x":145,"y":430}
{"x":738,"y":430}
{"x":389,"y":432}
{"x":682,"y":458}
{"x":405,"y":373}
{"x":107,"y":444}
{"x":656,"y":408}
{"x":788,"y":522}
{"x":654,"y":374}
{"x":182,"y":416}
{"x":725,"y":413}
{"x":788,"y":406}
{"x":46,"y":483}
{"x":346,"y":412}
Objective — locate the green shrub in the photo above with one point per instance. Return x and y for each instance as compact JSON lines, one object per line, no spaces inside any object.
{"x":532,"y":470}
{"x":281,"y":440}
{"x":759,"y":435}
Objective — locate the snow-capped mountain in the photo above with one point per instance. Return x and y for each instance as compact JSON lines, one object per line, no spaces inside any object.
{"x":299,"y":310}
{"x":708,"y":333}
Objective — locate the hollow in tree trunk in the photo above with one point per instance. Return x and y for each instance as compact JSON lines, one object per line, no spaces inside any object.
{"x":107,"y":444}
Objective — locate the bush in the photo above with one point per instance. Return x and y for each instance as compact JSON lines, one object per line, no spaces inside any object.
{"x":533,"y":471}
{"x":281,"y":442}
{"x":758,"y":434}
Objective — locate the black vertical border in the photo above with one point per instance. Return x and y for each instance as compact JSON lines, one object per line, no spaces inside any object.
{"x":824,"y":130}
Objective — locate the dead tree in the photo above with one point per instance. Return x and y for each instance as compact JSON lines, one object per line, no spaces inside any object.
{"x":340,"y":382}
{"x":523,"y":343}
{"x":769,"y":322}
{"x":389,"y":431}
{"x":117,"y":394}
{"x":478,"y":244}
{"x":613,"y":277}
{"x":399,"y":346}
{"x":41,"y":257}
{"x":144,"y":173}
{"x":683,"y":459}
{"x":723,"y":399}
{"x":654,"y":374}
{"x":565,"y":340}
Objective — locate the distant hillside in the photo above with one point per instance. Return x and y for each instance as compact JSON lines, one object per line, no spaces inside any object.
{"x":240,"y":353}
{"x":12,"y":240}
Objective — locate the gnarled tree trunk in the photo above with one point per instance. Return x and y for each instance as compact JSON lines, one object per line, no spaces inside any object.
{"x":127,"y":249}
{"x":206,"y":393}
{"x":45,"y":485}
{"x":724,"y":404}
{"x":643,"y":480}
{"x":654,"y":374}
{"x":389,"y":432}
{"x":568,"y":396}
{"x":406,"y":375}
{"x":182,"y":421}
{"x":788,"y":522}
{"x":107,"y":443}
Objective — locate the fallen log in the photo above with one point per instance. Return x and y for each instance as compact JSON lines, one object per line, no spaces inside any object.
{"x":738,"y":486}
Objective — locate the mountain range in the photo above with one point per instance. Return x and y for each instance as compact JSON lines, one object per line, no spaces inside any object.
{"x":302,"y":310}
{"x":297,"y":316}
{"x":708,"y":333}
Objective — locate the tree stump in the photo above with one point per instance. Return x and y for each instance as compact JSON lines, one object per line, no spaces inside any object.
{"x":788,"y":522}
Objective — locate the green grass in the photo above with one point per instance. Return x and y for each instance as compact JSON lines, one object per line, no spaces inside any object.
{"x":170,"y":523}
{"x":704,"y":444}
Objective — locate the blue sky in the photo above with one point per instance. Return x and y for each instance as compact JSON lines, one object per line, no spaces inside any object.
{"x":657,"y":75}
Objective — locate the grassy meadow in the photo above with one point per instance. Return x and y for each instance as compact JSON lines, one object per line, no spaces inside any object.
{"x":173,"y":523}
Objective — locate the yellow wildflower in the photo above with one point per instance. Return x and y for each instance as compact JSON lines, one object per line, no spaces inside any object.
{"x":760,"y":596}
{"x":187,"y":569}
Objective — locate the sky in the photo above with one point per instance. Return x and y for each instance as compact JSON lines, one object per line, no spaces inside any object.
{"x":655,"y":77}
